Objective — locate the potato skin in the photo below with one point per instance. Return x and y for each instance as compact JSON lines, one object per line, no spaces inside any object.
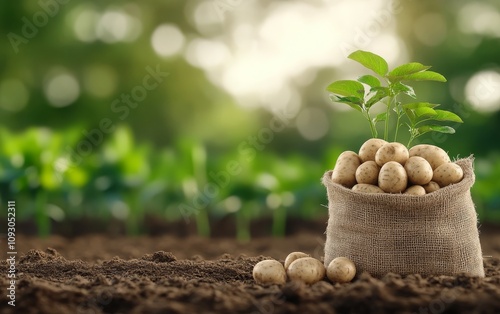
{"x":419,"y":170}
{"x":293,"y":257}
{"x":447,"y":174}
{"x":307,"y":269}
{"x":431,"y":187}
{"x":415,"y":190}
{"x":392,"y":177}
{"x":436,"y":156}
{"x":344,"y":172}
{"x":367,"y":172}
{"x":367,"y":188}
{"x":369,"y":148}
{"x":341,"y":270}
{"x":269,"y":272}
{"x":393,"y":151}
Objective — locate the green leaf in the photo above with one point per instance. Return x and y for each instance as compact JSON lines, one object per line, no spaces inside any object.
{"x":408,"y":68}
{"x":350,"y":101}
{"x":377,"y":94}
{"x":371,"y":61}
{"x":415,"y":105}
{"x":380,"y":117}
{"x":370,"y":80}
{"x":347,"y":88}
{"x":423,"y":76}
{"x":399,"y":87}
{"x":424,"y":112}
{"x":436,"y":128}
{"x":443,"y":115}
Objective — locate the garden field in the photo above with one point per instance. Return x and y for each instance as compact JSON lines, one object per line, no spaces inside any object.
{"x":190,"y":274}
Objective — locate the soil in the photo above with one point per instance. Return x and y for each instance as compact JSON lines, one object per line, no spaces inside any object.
{"x":173,"y":274}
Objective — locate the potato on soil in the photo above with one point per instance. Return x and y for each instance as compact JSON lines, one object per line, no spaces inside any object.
{"x":369,"y":149}
{"x":431,"y":187}
{"x":367,"y":188}
{"x":294,"y":256}
{"x":436,"y":156}
{"x":415,"y":190}
{"x":447,"y":174}
{"x":345,"y":169}
{"x":391,"y":152}
{"x":419,"y":170}
{"x":269,"y":272}
{"x":341,"y":270}
{"x":392,"y":178}
{"x":307,"y":269}
{"x":367,"y":172}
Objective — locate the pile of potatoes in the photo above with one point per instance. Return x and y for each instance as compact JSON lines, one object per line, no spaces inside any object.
{"x":301,"y":267}
{"x":383,"y":167}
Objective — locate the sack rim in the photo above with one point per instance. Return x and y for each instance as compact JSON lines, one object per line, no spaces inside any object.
{"x":467,"y":165}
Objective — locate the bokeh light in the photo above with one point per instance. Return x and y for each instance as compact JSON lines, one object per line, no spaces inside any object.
{"x":482,"y":91}
{"x":431,"y":29}
{"x":62,"y":89}
{"x":167,"y":40}
{"x":312,"y":123}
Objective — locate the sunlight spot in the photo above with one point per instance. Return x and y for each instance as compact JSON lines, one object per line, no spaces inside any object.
{"x":232,"y":204}
{"x":430,"y":29}
{"x":85,"y":23}
{"x":120,"y":210}
{"x":61,"y":90}
{"x":312,"y":123}
{"x":55,"y":212}
{"x":483,"y":91}
{"x":206,"y":54}
{"x":167,"y":40}
{"x":479,"y":18}
{"x":267,"y":180}
{"x":273,"y":201}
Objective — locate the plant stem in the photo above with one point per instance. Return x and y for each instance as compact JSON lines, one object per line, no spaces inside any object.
{"x":372,"y":125}
{"x":199,"y":156}
{"x":387,"y":118}
{"x":412,"y":136}
{"x":398,"y":112}
{"x":279,"y":221}
{"x":135,"y":217}
{"x":242,"y":226}
{"x":202,"y":223}
{"x":42,"y":220}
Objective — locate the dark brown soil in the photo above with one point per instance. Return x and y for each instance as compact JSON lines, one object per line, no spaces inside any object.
{"x":171,"y":274}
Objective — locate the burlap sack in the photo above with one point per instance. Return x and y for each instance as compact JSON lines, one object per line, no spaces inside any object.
{"x":434,"y":234}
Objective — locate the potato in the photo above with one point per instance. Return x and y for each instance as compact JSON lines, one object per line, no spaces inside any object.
{"x":367,"y":188}
{"x":341,"y":270}
{"x":307,"y":269}
{"x":292,"y":257}
{"x":392,"y":177}
{"x":269,"y":272}
{"x":367,"y":172}
{"x":369,"y":149}
{"x":345,"y":169}
{"x":447,"y":174}
{"x":431,"y":187}
{"x":415,"y":190}
{"x":419,"y":170}
{"x":391,"y":152}
{"x":436,"y":156}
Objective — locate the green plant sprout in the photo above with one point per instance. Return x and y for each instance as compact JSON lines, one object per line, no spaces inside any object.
{"x":354,"y":94}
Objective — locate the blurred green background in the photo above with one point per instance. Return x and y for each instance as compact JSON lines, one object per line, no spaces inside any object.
{"x":199,"y":111}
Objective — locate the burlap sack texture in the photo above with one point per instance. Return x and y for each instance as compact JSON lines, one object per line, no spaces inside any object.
{"x":433,"y":234}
